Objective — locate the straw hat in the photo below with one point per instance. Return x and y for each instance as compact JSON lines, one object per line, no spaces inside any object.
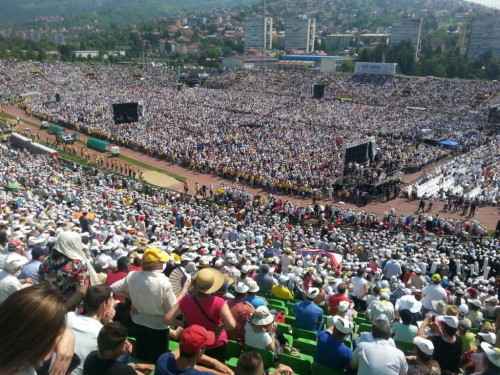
{"x":208,"y":280}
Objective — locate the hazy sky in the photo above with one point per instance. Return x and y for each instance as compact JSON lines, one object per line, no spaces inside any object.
{"x":490,"y":3}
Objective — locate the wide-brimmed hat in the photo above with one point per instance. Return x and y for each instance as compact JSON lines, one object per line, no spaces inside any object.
{"x":410,"y":303}
{"x":492,"y":353}
{"x":262,"y":316}
{"x":208,"y":280}
{"x":438,"y":306}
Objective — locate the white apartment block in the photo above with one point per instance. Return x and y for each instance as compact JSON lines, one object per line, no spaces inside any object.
{"x":258,"y":34}
{"x":299,"y":35}
{"x":485,"y":36}
{"x":407,"y":28}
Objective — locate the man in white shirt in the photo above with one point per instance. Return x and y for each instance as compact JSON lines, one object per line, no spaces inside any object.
{"x":392,"y":268}
{"x":9,"y":283}
{"x":379,"y":356}
{"x":99,"y":305}
{"x":13,"y":247}
{"x":359,"y":290}
{"x":433,"y":292}
{"x":287,"y":258}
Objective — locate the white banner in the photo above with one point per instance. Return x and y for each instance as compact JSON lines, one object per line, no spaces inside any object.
{"x":375,"y":68}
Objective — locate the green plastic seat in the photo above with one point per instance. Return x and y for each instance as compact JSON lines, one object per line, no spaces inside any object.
{"x":266,"y":355}
{"x":305,"y":346}
{"x":276,"y":301}
{"x":289,"y":339}
{"x":133,"y":341}
{"x":323,"y":370}
{"x":363,"y":327}
{"x":348,"y":343}
{"x":285,"y":328}
{"x":233,"y":349}
{"x":299,"y":366}
{"x":172,"y":345}
{"x":405,"y":346}
{"x":290,"y":320}
{"x":304,"y":334}
{"x":357,"y":320}
{"x":232,"y":363}
{"x":278,"y":308}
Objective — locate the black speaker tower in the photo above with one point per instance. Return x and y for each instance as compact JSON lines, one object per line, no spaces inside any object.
{"x":125,"y":113}
{"x":318,"y":91}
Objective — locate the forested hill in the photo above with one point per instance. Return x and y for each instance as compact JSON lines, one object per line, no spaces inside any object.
{"x":119,"y":13}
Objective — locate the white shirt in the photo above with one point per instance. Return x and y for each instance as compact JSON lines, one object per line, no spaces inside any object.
{"x":86,"y":330}
{"x":8,"y":285}
{"x":358,"y":287}
{"x":256,"y":340}
{"x":379,"y":357}
{"x":151,"y":294}
{"x":432,"y":293}
{"x":286,"y":260}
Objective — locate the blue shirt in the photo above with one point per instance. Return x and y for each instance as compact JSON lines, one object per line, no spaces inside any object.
{"x":31,"y":269}
{"x":166,"y":366}
{"x":307,"y":316}
{"x":264,"y":281}
{"x":332,"y":353}
{"x":255,"y":301}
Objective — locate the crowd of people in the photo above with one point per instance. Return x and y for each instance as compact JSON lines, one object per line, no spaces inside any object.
{"x":101,"y":274}
{"x":261,"y":129}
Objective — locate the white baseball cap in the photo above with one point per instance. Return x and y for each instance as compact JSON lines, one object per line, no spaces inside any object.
{"x":424,"y":345}
{"x":489,"y":337}
{"x":343,"y":325}
{"x":312,"y":293}
{"x":241,"y":288}
{"x":463,"y":309}
{"x":492,"y":353}
{"x":283,"y":279}
{"x":451,"y":321}
{"x":343,"y":306}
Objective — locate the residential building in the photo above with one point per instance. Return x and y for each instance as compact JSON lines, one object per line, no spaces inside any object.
{"x":178,"y":48}
{"x":407,"y":28}
{"x":57,"y":38}
{"x":485,"y":36}
{"x":340,"y":40}
{"x":193,"y":48}
{"x":299,"y":35}
{"x":375,"y":38}
{"x":34,"y":36}
{"x":258,"y":34}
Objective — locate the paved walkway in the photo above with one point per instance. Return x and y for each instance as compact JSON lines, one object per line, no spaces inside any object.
{"x":487,"y":216}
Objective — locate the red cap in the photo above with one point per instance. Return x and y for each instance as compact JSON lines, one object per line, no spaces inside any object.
{"x":473,"y":290}
{"x":337,"y":272}
{"x":218,"y":253}
{"x":195,"y":338}
{"x":16,"y":243}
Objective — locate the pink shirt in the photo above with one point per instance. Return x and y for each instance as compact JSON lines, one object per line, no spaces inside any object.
{"x":212,"y":307}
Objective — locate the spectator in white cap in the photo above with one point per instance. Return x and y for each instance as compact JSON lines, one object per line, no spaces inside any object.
{"x":491,"y":361}
{"x":281,"y":290}
{"x":447,"y":344}
{"x":252,"y":297}
{"x":241,"y":312}
{"x":344,"y":310}
{"x":331,"y":350}
{"x":260,"y":330}
{"x":422,"y":362}
{"x":473,"y":359}
{"x":308,"y":315}
{"x":378,"y":356}
{"x":9,"y":283}
{"x":475,"y":315}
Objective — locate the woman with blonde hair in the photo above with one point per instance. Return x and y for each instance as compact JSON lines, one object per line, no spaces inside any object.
{"x":33,"y":326}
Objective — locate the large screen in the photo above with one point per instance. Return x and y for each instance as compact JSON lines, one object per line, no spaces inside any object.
{"x":358,"y":154}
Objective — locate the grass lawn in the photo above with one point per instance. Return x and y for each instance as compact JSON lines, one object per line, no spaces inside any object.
{"x":151,"y":167}
{"x":80,"y":160}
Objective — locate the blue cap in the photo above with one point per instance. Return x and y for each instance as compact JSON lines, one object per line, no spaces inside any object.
{"x":37,"y":252}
